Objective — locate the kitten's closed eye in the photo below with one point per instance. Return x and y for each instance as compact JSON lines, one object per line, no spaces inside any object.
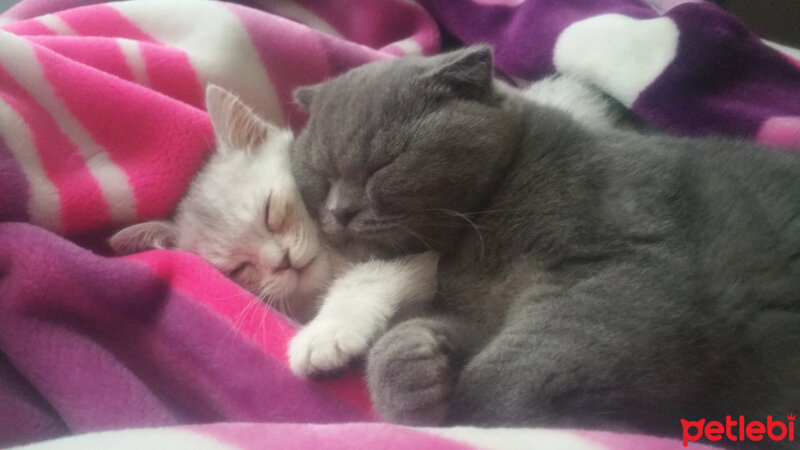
{"x":238,"y":270}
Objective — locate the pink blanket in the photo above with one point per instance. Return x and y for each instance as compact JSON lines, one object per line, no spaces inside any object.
{"x":101,"y":125}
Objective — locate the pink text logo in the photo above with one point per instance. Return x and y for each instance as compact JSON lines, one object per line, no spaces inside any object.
{"x":738,"y":430}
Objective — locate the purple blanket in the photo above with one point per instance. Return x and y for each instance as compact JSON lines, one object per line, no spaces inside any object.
{"x":686,"y":66}
{"x":101,"y":125}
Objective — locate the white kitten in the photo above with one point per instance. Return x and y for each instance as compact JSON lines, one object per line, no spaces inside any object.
{"x":243,"y":214}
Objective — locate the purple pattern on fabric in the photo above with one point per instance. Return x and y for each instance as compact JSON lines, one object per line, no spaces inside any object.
{"x":107,"y":345}
{"x":663,"y":6}
{"x":523,"y":36}
{"x":25,"y":415}
{"x":724,"y":80}
{"x":14,"y":188}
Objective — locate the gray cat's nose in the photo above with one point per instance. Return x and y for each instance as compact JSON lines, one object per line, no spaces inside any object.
{"x":286,"y":263}
{"x":344,"y":215}
{"x":344,"y":201}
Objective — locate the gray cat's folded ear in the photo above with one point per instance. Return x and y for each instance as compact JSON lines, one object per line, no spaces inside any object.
{"x":468,"y":72}
{"x":303,"y":96}
{"x":144,"y":236}
{"x":236,"y":125}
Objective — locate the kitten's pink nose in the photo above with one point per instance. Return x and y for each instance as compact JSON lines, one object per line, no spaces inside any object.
{"x":286,"y":263}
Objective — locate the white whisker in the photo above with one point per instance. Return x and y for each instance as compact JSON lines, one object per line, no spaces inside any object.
{"x":470,"y":222}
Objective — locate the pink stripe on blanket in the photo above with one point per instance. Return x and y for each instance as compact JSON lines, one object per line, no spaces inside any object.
{"x":29,"y":28}
{"x":781,"y":132}
{"x":378,"y":24}
{"x":168,"y":69}
{"x":300,"y":61}
{"x":509,"y":3}
{"x":158,"y":142}
{"x":33,"y":8}
{"x":82,"y":203}
{"x":336,"y":436}
{"x":104,"y":21}
{"x":171,"y":73}
{"x":268,"y":329}
{"x":793,"y":60}
{"x":103,"y":54}
{"x":207,"y":285}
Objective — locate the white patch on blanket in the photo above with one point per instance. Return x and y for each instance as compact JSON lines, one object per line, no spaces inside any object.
{"x":133,"y":56}
{"x":20,"y":60}
{"x":516,"y":438}
{"x":57,"y":25}
{"x":791,"y":51}
{"x":358,"y":308}
{"x":43,"y":205}
{"x":220,"y":51}
{"x":617,"y":53}
{"x":134,"y":439}
{"x":297,"y":13}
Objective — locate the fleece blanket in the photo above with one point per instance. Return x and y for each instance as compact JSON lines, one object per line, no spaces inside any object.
{"x":102,"y":125}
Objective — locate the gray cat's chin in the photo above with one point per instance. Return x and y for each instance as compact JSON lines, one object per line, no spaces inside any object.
{"x":390,"y":245}
{"x":386,"y":241}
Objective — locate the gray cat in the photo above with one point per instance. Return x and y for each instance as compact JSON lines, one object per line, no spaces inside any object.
{"x":589,"y":276}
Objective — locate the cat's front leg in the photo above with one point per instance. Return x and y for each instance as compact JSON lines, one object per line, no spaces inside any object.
{"x":358,"y":308}
{"x":412,"y":369}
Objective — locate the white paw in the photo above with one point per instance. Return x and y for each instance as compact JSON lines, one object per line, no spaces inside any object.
{"x":326,"y":346}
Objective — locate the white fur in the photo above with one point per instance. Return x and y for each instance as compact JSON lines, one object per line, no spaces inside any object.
{"x":358,"y":308}
{"x":583,"y":102}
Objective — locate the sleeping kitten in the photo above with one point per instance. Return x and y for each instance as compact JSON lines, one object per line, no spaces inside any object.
{"x":589,"y":276}
{"x":243,"y":214}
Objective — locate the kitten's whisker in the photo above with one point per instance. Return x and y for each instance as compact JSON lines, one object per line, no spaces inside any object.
{"x":442,"y":224}
{"x":287,"y":302}
{"x":238,"y":294}
{"x":471,"y":223}
{"x":262,"y":326}
{"x":252,"y":301}
{"x":235,"y":325}
{"x":497,"y":211}
{"x":268,"y":301}
{"x":416,"y":235}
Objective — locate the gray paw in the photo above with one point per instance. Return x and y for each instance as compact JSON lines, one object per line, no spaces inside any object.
{"x":409,"y":374}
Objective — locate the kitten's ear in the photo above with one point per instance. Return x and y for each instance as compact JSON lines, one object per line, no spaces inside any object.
{"x":303,"y":96}
{"x":144,"y":236}
{"x":236,"y":125}
{"x":468,"y":72}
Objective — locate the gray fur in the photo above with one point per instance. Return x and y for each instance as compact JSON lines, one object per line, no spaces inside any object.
{"x":592,"y":278}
